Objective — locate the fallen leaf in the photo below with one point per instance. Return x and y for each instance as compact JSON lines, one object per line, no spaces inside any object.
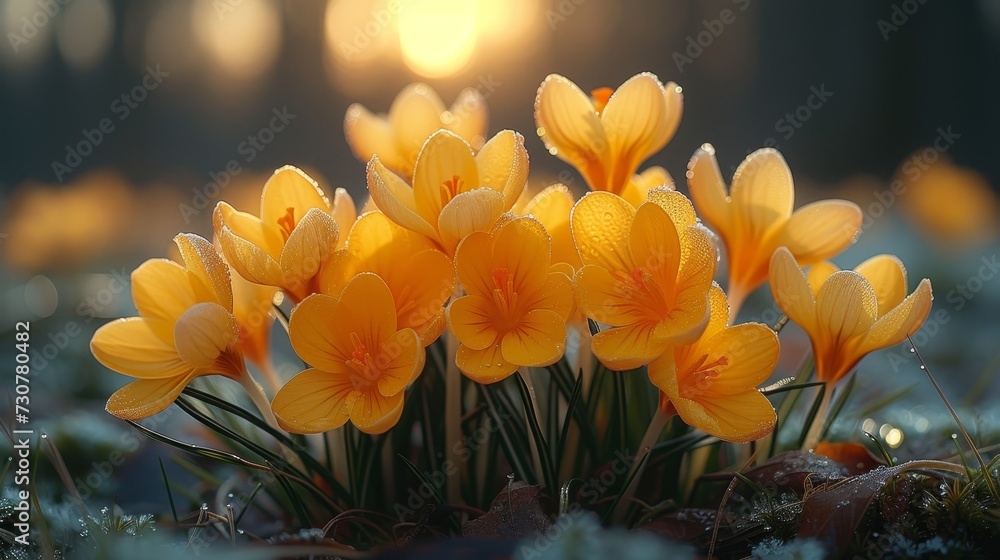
{"x":515,"y":513}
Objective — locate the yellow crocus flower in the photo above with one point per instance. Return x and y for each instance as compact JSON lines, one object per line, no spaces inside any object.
{"x":415,"y":114}
{"x":516,"y":309}
{"x":361,"y":361}
{"x":755,"y":217}
{"x":296,"y":232}
{"x":646,"y":272}
{"x":606,"y":137}
{"x":454,"y":192}
{"x":420,"y":277}
{"x":185,"y":329}
{"x":849,"y":313}
{"x":712,"y":383}
{"x":552,"y":207}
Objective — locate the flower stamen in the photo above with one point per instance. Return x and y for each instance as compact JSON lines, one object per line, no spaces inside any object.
{"x":451,"y":188}
{"x":287,"y":223}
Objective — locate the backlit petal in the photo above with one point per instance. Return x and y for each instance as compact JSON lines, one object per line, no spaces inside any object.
{"x":628,"y":347}
{"x":708,"y":189}
{"x":414,"y":115}
{"x":311,"y":334}
{"x":313,"y":401}
{"x":571,"y":129}
{"x":539,"y":339}
{"x":845,"y":306}
{"x":904,"y":319}
{"x":552,"y":207}
{"x":484,"y":366}
{"x":472,"y":320}
{"x":606,"y":299}
{"x":162,"y":290}
{"x":819,"y":272}
{"x":556,"y":295}
{"x":791,"y":291}
{"x":887,"y":275}
{"x":248,"y":227}
{"x":146,"y":397}
{"x":373,"y":412}
{"x":600,"y":224}
{"x":675,"y":204}
{"x":203,"y":332}
{"x":401,"y":360}
{"x":130,"y":346}
{"x":445,"y":167}
{"x":368,"y":135}
{"x":469,"y":117}
{"x":308,"y":247}
{"x":395,"y":198}
{"x":718,"y":312}
{"x":344,"y":213}
{"x":655,"y":246}
{"x":503,"y":165}
{"x":751,"y":350}
{"x":522,"y":247}
{"x":762,"y":193}
{"x":249,"y":260}
{"x":365,"y":308}
{"x":821,"y":230}
{"x":635,"y":125}
{"x":472,"y":263}
{"x":290,"y":187}
{"x":204,"y":262}
{"x":469,"y":212}
{"x":738,"y":418}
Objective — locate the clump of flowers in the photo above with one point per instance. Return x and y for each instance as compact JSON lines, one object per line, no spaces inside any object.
{"x":434,"y":330}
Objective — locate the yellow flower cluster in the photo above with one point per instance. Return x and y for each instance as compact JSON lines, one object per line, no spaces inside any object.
{"x":449,"y":247}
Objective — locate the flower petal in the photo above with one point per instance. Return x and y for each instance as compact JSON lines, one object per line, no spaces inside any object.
{"x":445,"y":168}
{"x":556,"y":295}
{"x":655,"y":246}
{"x":394,"y":197}
{"x":637,"y":190}
{"x":368,"y":135}
{"x":819,"y":272}
{"x":484,"y":366}
{"x":605,"y":299}
{"x":738,"y":418}
{"x":307,"y":248}
{"x":313,"y":401}
{"x":344,"y":212}
{"x":373,"y":412}
{"x":718,"y":312}
{"x":708,"y":189}
{"x":290,"y":187}
{"x":472,"y":264}
{"x":600,"y":224}
{"x":432,"y":329}
{"x":552,"y":206}
{"x":539,"y":339}
{"x":146,"y":397}
{"x":469,"y":212}
{"x":414,"y":115}
{"x":628,"y":347}
{"x":365,"y":308}
{"x":248,"y":227}
{"x":887,"y":275}
{"x":751,"y":352}
{"x":249,"y":260}
{"x":762,"y":193}
{"x":472,"y":320}
{"x":900,"y":321}
{"x":203,"y":261}
{"x":469,"y":117}
{"x":569,"y":126}
{"x":522,"y":247}
{"x":162,"y":290}
{"x":312,"y":336}
{"x":675,"y":204}
{"x":130,"y":346}
{"x":401,"y":359}
{"x":821,"y":230}
{"x":204,"y":332}
{"x":791,"y":291}
{"x":503,"y":165}
{"x":636,"y":125}
{"x":845,"y":307}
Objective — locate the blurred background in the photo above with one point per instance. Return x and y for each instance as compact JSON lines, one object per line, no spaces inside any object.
{"x":117,"y":115}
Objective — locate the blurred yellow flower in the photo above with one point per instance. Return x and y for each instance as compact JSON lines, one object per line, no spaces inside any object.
{"x":454,"y":192}
{"x":516,"y":309}
{"x":415,"y":114}
{"x":252,"y":309}
{"x":637,"y":190}
{"x":646,"y":272}
{"x":972,"y":210}
{"x":849,"y":313}
{"x":552,"y":207}
{"x":420,"y":277}
{"x":606,"y":137}
{"x":361,"y":361}
{"x":297,"y":231}
{"x":712,"y":383}
{"x":185,"y":329}
{"x":756,"y":217}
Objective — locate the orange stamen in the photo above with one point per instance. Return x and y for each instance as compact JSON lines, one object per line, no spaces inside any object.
{"x":287,"y":222}
{"x":503,"y":290}
{"x":601,"y":97}
{"x":451,"y":188}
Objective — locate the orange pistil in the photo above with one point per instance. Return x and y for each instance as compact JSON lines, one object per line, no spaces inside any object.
{"x":503,"y":291}
{"x":287,"y":223}
{"x":601,"y":97}
{"x":451,"y":188}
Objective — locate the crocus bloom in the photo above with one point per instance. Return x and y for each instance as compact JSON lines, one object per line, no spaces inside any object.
{"x":420,"y":277}
{"x":252,"y":309}
{"x":415,"y":114}
{"x":361,"y":361}
{"x":712,"y":383}
{"x":516,"y":309}
{"x":185,"y":329}
{"x":755,"y":217}
{"x":552,"y":207}
{"x":454,"y":192}
{"x":646,"y":273}
{"x":606,"y":137}
{"x":849,"y":313}
{"x":295,"y":234}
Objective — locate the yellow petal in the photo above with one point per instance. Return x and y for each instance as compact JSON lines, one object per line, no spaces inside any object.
{"x":130,"y":346}
{"x":762,"y":193}
{"x":539,"y":339}
{"x":249,"y":260}
{"x":821,"y":230}
{"x":400,"y":361}
{"x":690,"y":313}
{"x":484,"y":366}
{"x":600,"y":223}
{"x":204,"y":332}
{"x":311,"y":335}
{"x":420,"y":284}
{"x":708,"y":189}
{"x":605,"y":299}
{"x":445,"y":168}
{"x":522,"y":247}
{"x":366,"y":308}
{"x":791,"y":291}
{"x":628,"y":347}
{"x":248,"y":227}
{"x":290,"y":187}
{"x":308,"y":247}
{"x":472,"y":264}
{"x":571,"y":129}
{"x":738,"y":418}
{"x":414,"y":115}
{"x":162,"y":291}
{"x":556,"y":295}
{"x":432,"y":329}
{"x":469,"y":117}
{"x":369,"y":135}
{"x":819,"y":272}
{"x":472,"y":321}
{"x":313,"y":401}
{"x":468,"y":212}
{"x":635,"y":124}
{"x":202,"y":260}
{"x":395,"y":198}
{"x":751,"y":350}
{"x":552,"y":207}
{"x":655,"y":246}
{"x":845,"y":306}
{"x":344,"y":213}
{"x":146,"y":397}
{"x":718,"y":312}
{"x":900,"y":321}
{"x":675,"y":204}
{"x":887,"y":275}
{"x":503,"y":165}
{"x":373,"y":412}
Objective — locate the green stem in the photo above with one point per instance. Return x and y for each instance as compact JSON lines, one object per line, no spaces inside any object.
{"x":816,"y":428}
{"x":649,"y":439}
{"x":453,"y":412}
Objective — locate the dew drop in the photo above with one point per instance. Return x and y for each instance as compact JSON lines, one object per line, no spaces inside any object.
{"x":912,"y":350}
{"x":554,"y":151}
{"x":45,"y":435}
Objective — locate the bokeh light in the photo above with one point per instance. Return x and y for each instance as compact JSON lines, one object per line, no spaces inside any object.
{"x":437,"y":37}
{"x":84,"y":33}
{"x":242,"y":39}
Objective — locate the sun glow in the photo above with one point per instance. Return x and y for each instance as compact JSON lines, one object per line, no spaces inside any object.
{"x":437,"y":37}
